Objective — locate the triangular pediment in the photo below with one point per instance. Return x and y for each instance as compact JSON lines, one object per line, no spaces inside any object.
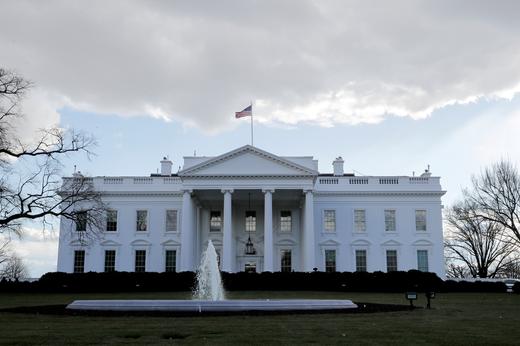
{"x":79,"y":243}
{"x":140,"y":242}
{"x":285,"y":242}
{"x":361,"y":242}
{"x":422,"y":242}
{"x":109,"y":243}
{"x":247,"y":161}
{"x":330,"y":242}
{"x":391,"y":243}
{"x":170,"y":242}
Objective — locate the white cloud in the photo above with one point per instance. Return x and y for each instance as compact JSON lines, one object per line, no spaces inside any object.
{"x":39,"y":111}
{"x":38,"y":249}
{"x":323,"y":63}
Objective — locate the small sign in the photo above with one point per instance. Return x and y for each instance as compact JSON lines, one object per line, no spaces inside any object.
{"x":411,"y":295}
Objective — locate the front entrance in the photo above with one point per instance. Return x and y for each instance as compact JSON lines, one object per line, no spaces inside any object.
{"x":251,"y":264}
{"x":250,"y":267}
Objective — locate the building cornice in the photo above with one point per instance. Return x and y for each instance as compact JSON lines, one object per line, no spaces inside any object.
{"x":141,"y":193}
{"x":246,"y":177}
{"x":379,"y":193}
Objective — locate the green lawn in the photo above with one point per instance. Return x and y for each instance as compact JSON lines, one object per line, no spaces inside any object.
{"x":466,"y":318}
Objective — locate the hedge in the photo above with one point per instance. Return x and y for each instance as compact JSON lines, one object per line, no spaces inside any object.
{"x":516,"y":288}
{"x":412,"y":280}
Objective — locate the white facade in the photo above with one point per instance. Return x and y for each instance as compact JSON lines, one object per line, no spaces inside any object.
{"x":297,"y":218}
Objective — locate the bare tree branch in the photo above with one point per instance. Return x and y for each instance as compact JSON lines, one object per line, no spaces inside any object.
{"x":36,"y":192}
{"x":496,"y":192}
{"x":477,"y":242}
{"x":14,"y":269}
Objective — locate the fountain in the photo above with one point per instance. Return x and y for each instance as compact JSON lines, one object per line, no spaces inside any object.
{"x":209,"y":297}
{"x":209,"y":282}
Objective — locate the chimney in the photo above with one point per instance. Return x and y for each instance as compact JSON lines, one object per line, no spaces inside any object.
{"x":426,"y":173}
{"x":338,"y":166}
{"x":166,"y":166}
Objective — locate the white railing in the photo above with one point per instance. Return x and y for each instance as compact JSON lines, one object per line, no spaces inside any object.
{"x":329,"y":181}
{"x":143,"y":180}
{"x":418,"y":180}
{"x":112,"y":180}
{"x":371,"y":180}
{"x":126,"y":180}
{"x":171,"y":180}
{"x":358,"y":181}
{"x":387,"y":181}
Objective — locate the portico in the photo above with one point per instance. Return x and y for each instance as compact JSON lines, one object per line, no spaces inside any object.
{"x":249,"y":180}
{"x":232,"y":217}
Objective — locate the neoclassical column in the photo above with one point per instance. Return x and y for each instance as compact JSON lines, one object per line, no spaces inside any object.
{"x":227,"y":238}
{"x":187,"y":233}
{"x":308,"y":255}
{"x":268,"y":230}
{"x":198,"y":234}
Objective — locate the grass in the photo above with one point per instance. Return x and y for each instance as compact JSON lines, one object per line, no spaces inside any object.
{"x":463,"y":318}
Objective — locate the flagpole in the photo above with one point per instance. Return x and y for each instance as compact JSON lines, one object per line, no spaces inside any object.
{"x":252,"y":123}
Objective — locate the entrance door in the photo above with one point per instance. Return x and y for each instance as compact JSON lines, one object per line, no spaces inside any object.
{"x":250,"y":267}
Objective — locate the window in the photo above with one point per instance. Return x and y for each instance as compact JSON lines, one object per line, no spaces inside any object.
{"x":140,"y":261}
{"x":391,"y":260}
{"x":360,"y":224}
{"x":110,"y":260}
{"x":285,"y":221}
{"x":79,"y":261}
{"x":142,"y":216}
{"x":361,"y":260}
{"x":390,"y":220}
{"x":330,"y":261}
{"x":81,"y":221}
{"x":420,"y":220}
{"x":285,"y":265}
{"x":422,"y":260}
{"x":215,"y":221}
{"x":250,"y":221}
{"x":171,"y":220}
{"x":218,"y":256}
{"x":170,"y":261}
{"x":329,"y":220}
{"x":111,"y":220}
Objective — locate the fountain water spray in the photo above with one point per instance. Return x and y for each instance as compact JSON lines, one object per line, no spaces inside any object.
{"x":209,"y":281}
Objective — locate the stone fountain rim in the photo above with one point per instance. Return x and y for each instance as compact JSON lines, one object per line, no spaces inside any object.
{"x":232,"y":305}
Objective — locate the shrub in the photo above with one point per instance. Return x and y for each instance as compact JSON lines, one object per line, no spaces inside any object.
{"x":412,"y":280}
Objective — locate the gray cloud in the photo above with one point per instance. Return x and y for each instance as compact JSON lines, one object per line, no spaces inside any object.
{"x":319,"y":62}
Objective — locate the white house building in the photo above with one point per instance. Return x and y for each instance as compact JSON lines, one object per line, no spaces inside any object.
{"x":263,"y":213}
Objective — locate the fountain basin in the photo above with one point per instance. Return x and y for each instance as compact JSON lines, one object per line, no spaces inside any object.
{"x":200,"y":306}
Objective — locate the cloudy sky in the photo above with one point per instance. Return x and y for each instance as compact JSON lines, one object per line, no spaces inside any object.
{"x":390,"y":86}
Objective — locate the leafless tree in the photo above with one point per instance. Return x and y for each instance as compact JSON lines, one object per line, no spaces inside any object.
{"x":496,"y":192}
{"x":477,"y":242}
{"x":30,"y":179}
{"x":511,"y":270}
{"x":14,"y":269}
{"x":4,"y":250}
{"x":457,"y":271}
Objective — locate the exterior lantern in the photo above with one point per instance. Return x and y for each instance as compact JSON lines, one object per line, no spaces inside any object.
{"x":250,"y":250}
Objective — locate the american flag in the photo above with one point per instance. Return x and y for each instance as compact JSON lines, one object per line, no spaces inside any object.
{"x":246,"y":112}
